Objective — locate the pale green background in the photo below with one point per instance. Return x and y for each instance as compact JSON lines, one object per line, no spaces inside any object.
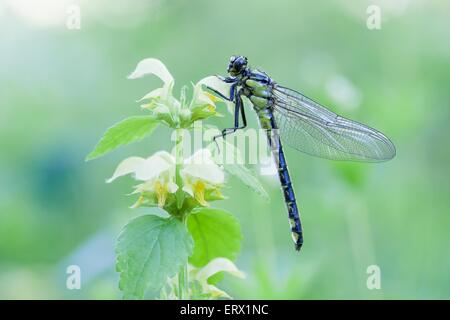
{"x":60,"y":89}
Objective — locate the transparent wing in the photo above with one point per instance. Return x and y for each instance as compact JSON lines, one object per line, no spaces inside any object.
{"x":309,"y":127}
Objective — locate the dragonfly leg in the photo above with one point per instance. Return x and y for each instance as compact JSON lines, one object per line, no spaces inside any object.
{"x":227,"y":79}
{"x":232,"y":92}
{"x":239,"y":110}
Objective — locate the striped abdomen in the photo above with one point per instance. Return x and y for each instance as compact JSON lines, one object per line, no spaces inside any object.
{"x":268,"y":122}
{"x":289,"y":197}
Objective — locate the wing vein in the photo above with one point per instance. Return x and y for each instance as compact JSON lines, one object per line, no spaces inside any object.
{"x":311,"y":128}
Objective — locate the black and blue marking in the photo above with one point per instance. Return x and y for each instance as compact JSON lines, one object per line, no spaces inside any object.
{"x":257,"y":87}
{"x":304,"y":124}
{"x":289,"y":195}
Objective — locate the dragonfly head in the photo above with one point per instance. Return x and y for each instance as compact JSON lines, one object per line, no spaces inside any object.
{"x":237,"y":65}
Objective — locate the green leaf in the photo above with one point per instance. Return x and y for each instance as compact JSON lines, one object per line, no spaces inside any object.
{"x":216,"y":233}
{"x":247,"y":177}
{"x":124,"y":132}
{"x":233,"y":163}
{"x":149,"y":250}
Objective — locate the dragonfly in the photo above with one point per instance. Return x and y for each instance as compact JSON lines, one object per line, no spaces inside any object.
{"x":302,"y":123}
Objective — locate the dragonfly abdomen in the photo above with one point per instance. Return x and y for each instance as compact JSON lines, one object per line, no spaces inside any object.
{"x":291,"y":203}
{"x":268,"y":123}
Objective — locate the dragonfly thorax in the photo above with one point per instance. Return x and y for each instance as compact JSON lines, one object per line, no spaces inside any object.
{"x":258,"y":88}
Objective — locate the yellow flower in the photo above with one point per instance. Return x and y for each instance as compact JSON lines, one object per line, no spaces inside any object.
{"x":171,"y":111}
{"x":213,"y":267}
{"x":201,"y":175}
{"x":203,"y":104}
{"x":157,"y":172}
{"x":220,"y":86}
{"x":152,"y":66}
{"x":159,"y":101}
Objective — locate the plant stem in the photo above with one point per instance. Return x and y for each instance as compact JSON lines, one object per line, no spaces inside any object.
{"x":178,"y":156}
{"x":183,"y":281}
{"x":181,"y":284}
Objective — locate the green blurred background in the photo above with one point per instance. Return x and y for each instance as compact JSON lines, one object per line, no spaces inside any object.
{"x":60,"y":89}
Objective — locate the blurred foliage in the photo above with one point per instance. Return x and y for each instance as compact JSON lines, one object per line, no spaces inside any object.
{"x":60,"y":88}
